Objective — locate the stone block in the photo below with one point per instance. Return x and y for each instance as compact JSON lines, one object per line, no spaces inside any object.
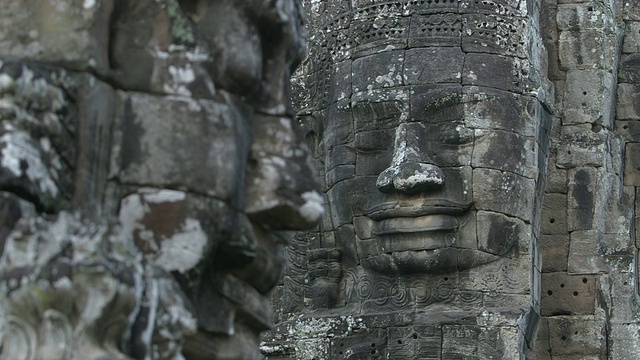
{"x":345,"y":236}
{"x":499,"y":234}
{"x":578,"y":17}
{"x":504,"y":276}
{"x":70,"y":32}
{"x":631,"y":42}
{"x":577,"y":337}
{"x":464,"y":341}
{"x":560,"y":86}
{"x":371,"y":36}
{"x":366,"y":344}
{"x":97,"y":100}
{"x":433,"y":65}
{"x":587,"y":49}
{"x":632,"y":164}
{"x":481,"y":69}
{"x":579,"y":145}
{"x":339,"y":173}
{"x":505,"y":151}
{"x":488,"y":109}
{"x":588,"y":97}
{"x":631,"y":11}
{"x":584,"y":253}
{"x":583,"y":188}
{"x":434,"y":29}
{"x":541,"y":347}
{"x":504,"y":192}
{"x":616,"y":244}
{"x":548,"y":22}
{"x":622,"y":289}
{"x":624,"y":339}
{"x":554,"y":214}
{"x":415,"y":342}
{"x":382,"y":70}
{"x":554,"y":252}
{"x":564,"y":294}
{"x":375,"y":110}
{"x":557,"y":180}
{"x":342,"y":193}
{"x":516,"y":153}
{"x":628,"y":104}
{"x":149,"y":128}
{"x":629,"y":71}
{"x":341,"y":81}
{"x":496,"y":33}
{"x":340,"y":155}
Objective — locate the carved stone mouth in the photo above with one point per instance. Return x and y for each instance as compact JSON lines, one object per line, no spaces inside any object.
{"x":404,"y":225}
{"x":394,"y":210}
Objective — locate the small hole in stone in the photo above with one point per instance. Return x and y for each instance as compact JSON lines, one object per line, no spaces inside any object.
{"x":569,"y":152}
{"x":584,"y":104}
{"x":564,"y":337}
{"x":400,"y":342}
{"x":584,"y":280}
{"x":626,"y":283}
{"x":575,"y":333}
{"x":575,"y":293}
{"x":549,"y":292}
{"x":590,"y":8}
{"x":373,"y":352}
{"x":415,"y":336}
{"x":340,"y":352}
{"x":625,"y":127}
{"x":584,"y":93}
{"x":561,"y":285}
{"x":552,"y":220}
{"x":373,"y":345}
{"x":446,"y":278}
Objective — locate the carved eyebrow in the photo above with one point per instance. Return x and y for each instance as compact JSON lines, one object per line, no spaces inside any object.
{"x":443,"y":103}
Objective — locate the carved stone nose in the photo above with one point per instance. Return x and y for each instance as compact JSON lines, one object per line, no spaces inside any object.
{"x":410,"y":177}
{"x":411,"y":169}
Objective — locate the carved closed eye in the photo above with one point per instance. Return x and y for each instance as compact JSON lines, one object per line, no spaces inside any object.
{"x":374,"y":141}
{"x":451,"y":133}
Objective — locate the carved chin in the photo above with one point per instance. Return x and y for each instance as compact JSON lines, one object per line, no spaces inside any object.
{"x":435,"y":261}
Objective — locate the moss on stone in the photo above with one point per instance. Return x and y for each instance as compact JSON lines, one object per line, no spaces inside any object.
{"x":181,"y":29}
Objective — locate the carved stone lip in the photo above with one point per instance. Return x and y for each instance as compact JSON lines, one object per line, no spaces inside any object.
{"x":397,"y":209}
{"x":405,"y":225}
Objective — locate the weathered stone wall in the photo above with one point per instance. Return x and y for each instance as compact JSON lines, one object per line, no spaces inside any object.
{"x":589,"y":303}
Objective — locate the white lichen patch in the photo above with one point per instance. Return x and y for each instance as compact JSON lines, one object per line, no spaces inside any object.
{"x":312,"y":208}
{"x":22,"y":158}
{"x":163,"y":196}
{"x":184,"y":249}
{"x":181,"y":77}
{"x":88,"y":4}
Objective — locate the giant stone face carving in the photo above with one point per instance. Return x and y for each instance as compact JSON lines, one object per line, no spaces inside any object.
{"x":428,"y":129}
{"x":426,"y":122}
